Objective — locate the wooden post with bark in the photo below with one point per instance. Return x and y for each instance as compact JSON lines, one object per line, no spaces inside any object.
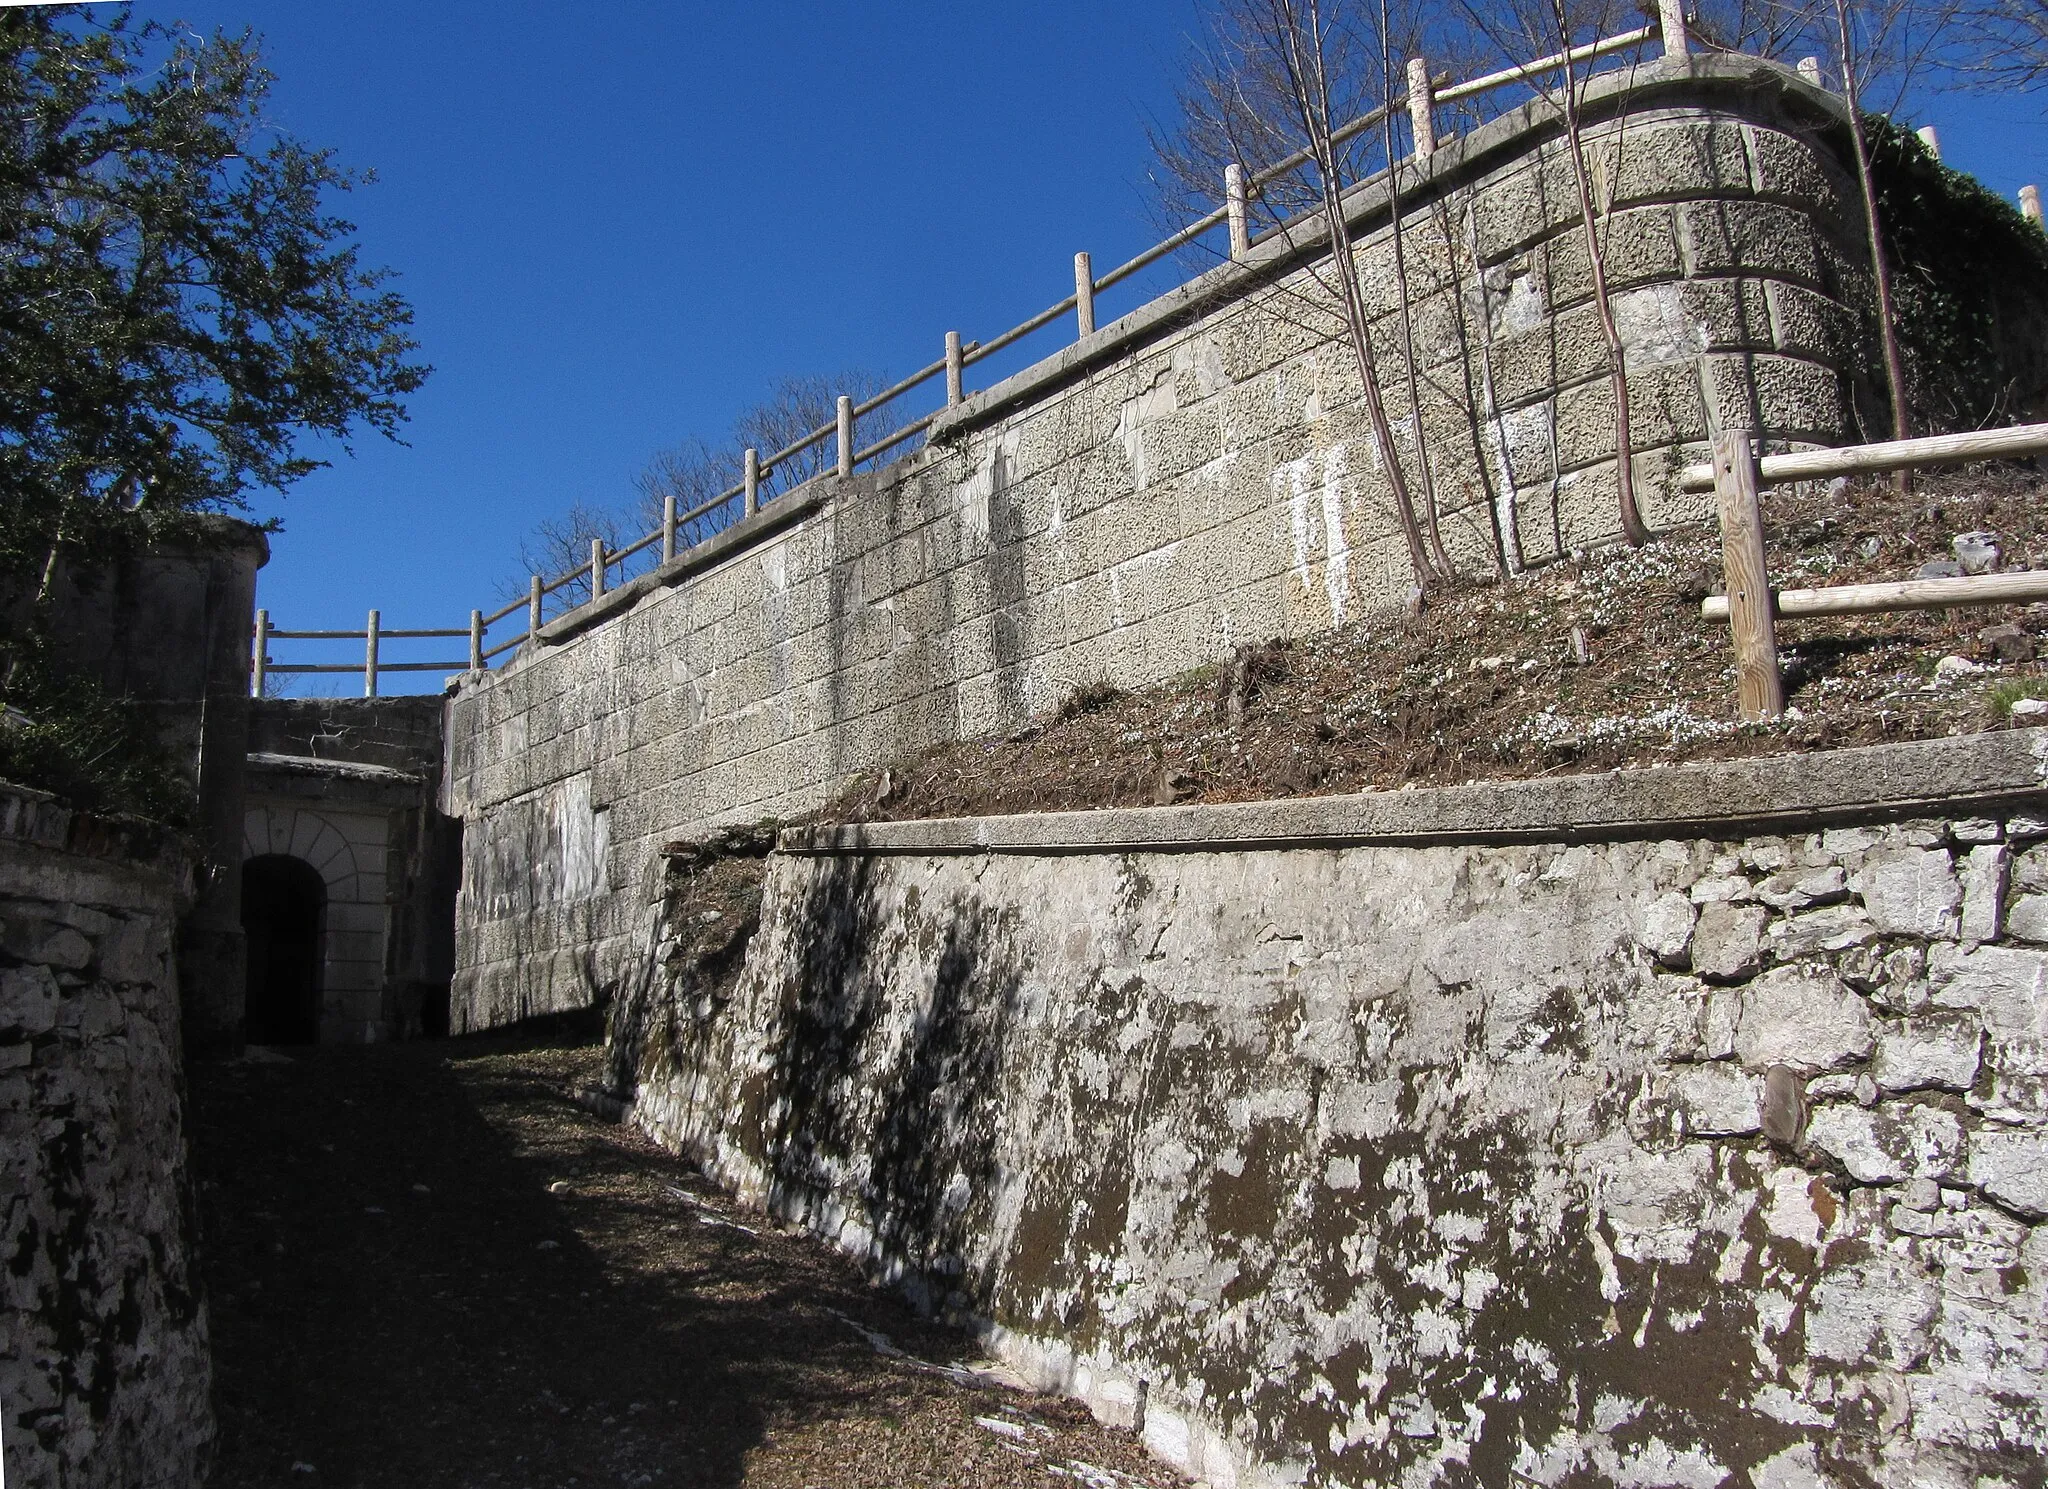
{"x":1760,"y":692}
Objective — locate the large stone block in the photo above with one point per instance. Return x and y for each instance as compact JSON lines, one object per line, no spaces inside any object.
{"x":1888,"y":1145}
{"x":1912,"y":891}
{"x":2011,"y":1167}
{"x":1934,"y":1051}
{"x":1804,"y":1018}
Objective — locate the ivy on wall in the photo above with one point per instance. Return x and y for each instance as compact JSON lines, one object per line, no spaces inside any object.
{"x":1970,"y":281}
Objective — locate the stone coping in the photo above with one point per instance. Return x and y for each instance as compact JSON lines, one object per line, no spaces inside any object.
{"x":342,"y":770}
{"x":1962,"y":774}
{"x":36,"y":819}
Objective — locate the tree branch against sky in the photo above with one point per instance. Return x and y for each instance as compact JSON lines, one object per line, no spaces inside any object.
{"x":179,"y":308}
{"x":2008,"y":42}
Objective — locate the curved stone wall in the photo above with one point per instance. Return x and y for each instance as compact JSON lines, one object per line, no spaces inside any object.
{"x":1198,"y":474}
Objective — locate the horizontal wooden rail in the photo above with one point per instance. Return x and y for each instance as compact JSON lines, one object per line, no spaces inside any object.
{"x":357,"y":667}
{"x":1890,"y":455}
{"x":361,"y":635}
{"x":2025,"y":587}
{"x":504,"y":646}
{"x":1526,"y":70}
{"x":890,"y":442}
{"x":499,"y":614}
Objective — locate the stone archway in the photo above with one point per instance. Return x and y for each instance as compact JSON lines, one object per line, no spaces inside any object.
{"x":346,"y":851}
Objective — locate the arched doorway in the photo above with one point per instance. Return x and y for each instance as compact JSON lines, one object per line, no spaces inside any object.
{"x":284,"y":915}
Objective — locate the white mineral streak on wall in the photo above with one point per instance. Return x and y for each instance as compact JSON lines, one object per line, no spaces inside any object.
{"x":1434,"y":1165}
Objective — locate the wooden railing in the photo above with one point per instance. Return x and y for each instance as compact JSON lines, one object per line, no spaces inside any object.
{"x":1427,"y":96}
{"x":373,"y":636}
{"x":1752,"y":609}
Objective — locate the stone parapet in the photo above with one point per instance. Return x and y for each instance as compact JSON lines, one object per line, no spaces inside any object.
{"x":104,"y":1368}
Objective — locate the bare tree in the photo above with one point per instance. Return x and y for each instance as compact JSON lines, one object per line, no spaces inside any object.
{"x":561,"y":545}
{"x":798,"y":406}
{"x":696,"y":472}
{"x":2007,"y":42}
{"x":1277,"y":80}
{"x":1556,"y":26}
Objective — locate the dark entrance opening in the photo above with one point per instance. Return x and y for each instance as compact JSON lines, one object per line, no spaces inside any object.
{"x":284,"y":915}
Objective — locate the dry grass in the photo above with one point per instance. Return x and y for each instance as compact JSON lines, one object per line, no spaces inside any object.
{"x":1595,"y":663}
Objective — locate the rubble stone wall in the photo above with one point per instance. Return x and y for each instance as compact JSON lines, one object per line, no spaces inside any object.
{"x":1197,"y":475}
{"x":105,"y":1376}
{"x":1689,"y":1152}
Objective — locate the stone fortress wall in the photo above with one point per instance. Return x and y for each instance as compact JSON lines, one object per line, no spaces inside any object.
{"x":1681,"y":1127}
{"x":1195,"y":475}
{"x":105,"y":1374}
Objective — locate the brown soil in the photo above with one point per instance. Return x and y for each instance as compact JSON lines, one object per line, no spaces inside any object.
{"x":426,"y":1268}
{"x":1599,"y":662}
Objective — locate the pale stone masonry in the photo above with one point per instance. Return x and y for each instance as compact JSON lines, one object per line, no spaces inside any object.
{"x":1478,"y":1137}
{"x":1195,"y":475}
{"x":105,"y":1375}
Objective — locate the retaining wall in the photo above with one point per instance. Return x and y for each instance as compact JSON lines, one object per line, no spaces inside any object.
{"x":1196,"y":475}
{"x":1675,"y":1127}
{"x":105,"y":1375}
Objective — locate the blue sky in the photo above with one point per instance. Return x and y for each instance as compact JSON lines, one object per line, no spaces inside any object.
{"x":620,"y":221}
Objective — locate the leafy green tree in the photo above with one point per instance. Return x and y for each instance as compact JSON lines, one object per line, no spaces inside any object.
{"x":179,"y":307}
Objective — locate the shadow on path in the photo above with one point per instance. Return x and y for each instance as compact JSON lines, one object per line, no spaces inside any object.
{"x":425,"y":1268}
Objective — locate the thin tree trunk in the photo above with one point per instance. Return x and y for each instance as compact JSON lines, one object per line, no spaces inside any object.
{"x":1880,"y":262}
{"x":1632,"y":527}
{"x":1432,"y":525}
{"x":1312,"y":96}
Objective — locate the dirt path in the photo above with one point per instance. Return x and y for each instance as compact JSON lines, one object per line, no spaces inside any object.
{"x":428,"y":1269}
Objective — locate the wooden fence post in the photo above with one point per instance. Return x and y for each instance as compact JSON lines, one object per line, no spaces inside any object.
{"x":370,"y":657}
{"x":476,"y":641}
{"x":753,"y":483}
{"x":1421,"y":107}
{"x":668,"y":528}
{"x":956,"y":370}
{"x":1238,"y":207}
{"x":845,"y":436}
{"x":533,"y":602}
{"x":259,"y":654}
{"x":1084,"y":294}
{"x":1760,"y":692}
{"x":1671,"y":21}
{"x":596,"y":567}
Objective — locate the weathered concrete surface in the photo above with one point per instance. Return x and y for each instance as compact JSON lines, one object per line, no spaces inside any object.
{"x":1659,"y":1160}
{"x":1196,"y":475}
{"x":104,"y":1368}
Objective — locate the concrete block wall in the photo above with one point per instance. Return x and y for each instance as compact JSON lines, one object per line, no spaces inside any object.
{"x":1685,"y":1127}
{"x":105,"y":1375}
{"x":1196,"y":475}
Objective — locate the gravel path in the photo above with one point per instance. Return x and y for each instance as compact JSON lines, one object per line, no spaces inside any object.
{"x":426,"y":1268}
